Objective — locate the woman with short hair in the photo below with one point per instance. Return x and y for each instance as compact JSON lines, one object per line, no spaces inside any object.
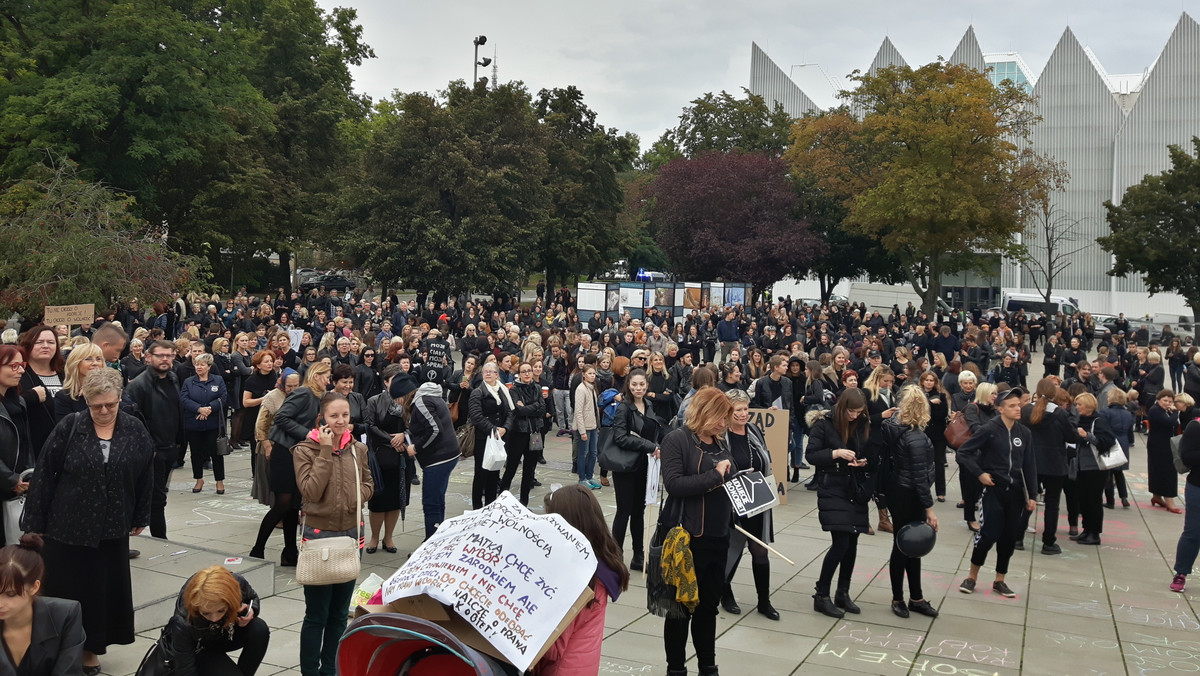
{"x":748,"y":447}
{"x":90,"y":493}
{"x":216,"y":613}
{"x":203,"y":398}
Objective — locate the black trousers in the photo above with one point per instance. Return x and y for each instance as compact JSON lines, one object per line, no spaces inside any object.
{"x":630,"y":489}
{"x":485,"y":484}
{"x":1052,"y":488}
{"x":1090,"y":485}
{"x":204,"y":448}
{"x":709,"y":555}
{"x":970,"y":487}
{"x":519,"y":457}
{"x":251,"y":639}
{"x":842,"y":554}
{"x":163,"y":463}
{"x":906,"y":508}
{"x":1116,"y":477}
{"x":939,"y":465}
{"x":1000,"y":524}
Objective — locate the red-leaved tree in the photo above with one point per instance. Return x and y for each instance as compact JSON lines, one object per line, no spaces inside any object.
{"x":731,"y":216}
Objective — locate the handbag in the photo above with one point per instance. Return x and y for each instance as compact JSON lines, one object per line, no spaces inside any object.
{"x":333,"y":560}
{"x":1113,"y":458}
{"x":958,"y":431}
{"x":13,"y":509}
{"x":466,"y":440}
{"x":159,"y":659}
{"x":453,"y":406}
{"x":222,"y":434}
{"x":660,"y":596}
{"x":494,"y":455}
{"x":536,"y":442}
{"x":611,"y":456}
{"x":1180,"y":466}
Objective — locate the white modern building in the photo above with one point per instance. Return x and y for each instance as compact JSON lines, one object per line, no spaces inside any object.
{"x":1109,"y":130}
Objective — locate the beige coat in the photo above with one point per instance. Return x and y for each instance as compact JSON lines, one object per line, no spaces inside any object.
{"x":327,"y":485}
{"x":585,"y":409}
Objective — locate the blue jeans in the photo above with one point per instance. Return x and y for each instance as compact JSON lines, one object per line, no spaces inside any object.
{"x":796,"y":443}
{"x":587,"y":455}
{"x":1189,"y":539}
{"x":433,"y":494}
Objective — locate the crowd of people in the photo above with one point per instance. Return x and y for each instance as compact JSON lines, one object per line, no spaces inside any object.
{"x":317,"y":383}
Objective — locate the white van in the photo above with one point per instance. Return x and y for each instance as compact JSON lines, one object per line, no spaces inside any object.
{"x":1033,"y":303}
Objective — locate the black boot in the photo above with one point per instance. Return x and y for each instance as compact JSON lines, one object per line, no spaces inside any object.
{"x":677,"y":672}
{"x":729,"y":603}
{"x":762,"y":584}
{"x":824,"y":605}
{"x":795,"y":478}
{"x":709,"y":671}
{"x":843,"y":601}
{"x":288,"y":558}
{"x":638,"y":562}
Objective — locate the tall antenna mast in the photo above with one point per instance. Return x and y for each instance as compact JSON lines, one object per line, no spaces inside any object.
{"x":495,"y":69}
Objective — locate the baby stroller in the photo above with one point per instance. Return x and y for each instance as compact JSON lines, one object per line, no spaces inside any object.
{"x":389,"y":644}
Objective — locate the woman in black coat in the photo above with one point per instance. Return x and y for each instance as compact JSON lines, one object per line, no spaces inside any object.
{"x":491,"y":412}
{"x":1094,"y":437}
{"x":939,"y":414}
{"x":695,"y":464}
{"x":53,"y":646}
{"x":1162,"y":479}
{"x":636,"y":429}
{"x":389,"y":461}
{"x":216,"y":613}
{"x":90,"y":493}
{"x":1051,"y":431}
{"x":838,"y":447}
{"x":41,"y":380}
{"x":528,"y":415}
{"x":16,"y":446}
{"x":912,"y":457}
{"x":297,"y":415}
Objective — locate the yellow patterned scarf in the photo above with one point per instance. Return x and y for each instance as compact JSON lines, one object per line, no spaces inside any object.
{"x":678,"y":569}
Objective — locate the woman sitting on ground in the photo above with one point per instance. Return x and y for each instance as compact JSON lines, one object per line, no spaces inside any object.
{"x":216,"y":613}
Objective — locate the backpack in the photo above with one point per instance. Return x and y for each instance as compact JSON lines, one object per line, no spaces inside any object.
{"x":608,"y":406}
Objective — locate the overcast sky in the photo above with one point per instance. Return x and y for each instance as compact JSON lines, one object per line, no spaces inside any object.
{"x":639,"y":62}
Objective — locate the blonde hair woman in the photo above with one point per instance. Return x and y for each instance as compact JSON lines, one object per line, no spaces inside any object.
{"x":81,"y":361}
{"x":981,"y":410}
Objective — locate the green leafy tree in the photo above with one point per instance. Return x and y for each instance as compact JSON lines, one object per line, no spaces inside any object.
{"x":1155,"y":232}
{"x":69,"y":241}
{"x":723,"y":123}
{"x":222,"y":118}
{"x":583,"y":233}
{"x":933,"y":169}
{"x":452,"y":192}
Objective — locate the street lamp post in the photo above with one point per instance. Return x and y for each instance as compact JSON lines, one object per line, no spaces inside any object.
{"x":485,"y":62}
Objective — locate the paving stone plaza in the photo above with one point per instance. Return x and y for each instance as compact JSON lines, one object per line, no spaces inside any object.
{"x":1090,"y":610}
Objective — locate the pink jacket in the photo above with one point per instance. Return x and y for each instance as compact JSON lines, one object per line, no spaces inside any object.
{"x":577,"y":650}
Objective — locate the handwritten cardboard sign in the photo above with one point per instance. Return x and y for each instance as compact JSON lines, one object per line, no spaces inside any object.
{"x":775,"y":426}
{"x":510,"y":574}
{"x":71,"y":315}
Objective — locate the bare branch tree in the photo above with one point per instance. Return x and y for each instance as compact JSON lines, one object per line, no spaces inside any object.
{"x":1053,"y":239}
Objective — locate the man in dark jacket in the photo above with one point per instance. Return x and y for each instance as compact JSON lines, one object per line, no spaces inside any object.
{"x":727,"y":334}
{"x":1001,"y":454}
{"x":154,"y":397}
{"x":774,"y":390}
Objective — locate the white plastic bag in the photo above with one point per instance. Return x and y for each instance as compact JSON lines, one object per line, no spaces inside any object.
{"x":366,"y":589}
{"x":494,"y":455}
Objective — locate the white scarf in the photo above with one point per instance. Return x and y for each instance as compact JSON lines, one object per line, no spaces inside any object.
{"x":496,"y":391}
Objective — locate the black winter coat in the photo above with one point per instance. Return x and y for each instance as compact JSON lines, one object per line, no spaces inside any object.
{"x":693,"y":486}
{"x":486,"y":415}
{"x":1003,"y":453}
{"x":835,"y":477}
{"x":1050,"y":439}
{"x":187,"y":635}
{"x":762,"y":393}
{"x":912,"y":457}
{"x":15,"y":456}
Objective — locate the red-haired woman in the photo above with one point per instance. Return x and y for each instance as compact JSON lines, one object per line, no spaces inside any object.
{"x":217,"y":612}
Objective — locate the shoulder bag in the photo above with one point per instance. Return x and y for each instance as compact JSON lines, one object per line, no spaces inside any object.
{"x":611,"y":456}
{"x":958,"y":431}
{"x":222,"y":433}
{"x":159,"y":660}
{"x":466,"y":440}
{"x":333,"y":560}
{"x":1112,"y":458}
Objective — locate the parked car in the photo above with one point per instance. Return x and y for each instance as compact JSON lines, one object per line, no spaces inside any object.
{"x":330,"y":282}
